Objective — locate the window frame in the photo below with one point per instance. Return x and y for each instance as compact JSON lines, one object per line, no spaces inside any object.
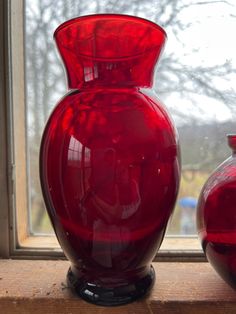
{"x":15,"y":240}
{"x":13,"y":164}
{"x":4,"y":179}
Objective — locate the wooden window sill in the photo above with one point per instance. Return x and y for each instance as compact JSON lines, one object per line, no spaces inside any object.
{"x":39,"y":287}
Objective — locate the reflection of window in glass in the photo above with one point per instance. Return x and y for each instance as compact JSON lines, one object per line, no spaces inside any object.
{"x":74,"y":152}
{"x":78,"y":153}
{"x":90,"y":73}
{"x":195,"y":79}
{"x":87,"y":157}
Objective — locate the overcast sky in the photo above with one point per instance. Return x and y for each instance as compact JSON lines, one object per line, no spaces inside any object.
{"x":212,"y":35}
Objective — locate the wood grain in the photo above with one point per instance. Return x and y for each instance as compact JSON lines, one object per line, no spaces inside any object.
{"x":183,"y":288}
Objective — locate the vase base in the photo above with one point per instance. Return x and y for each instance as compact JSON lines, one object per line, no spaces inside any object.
{"x":111,"y":296}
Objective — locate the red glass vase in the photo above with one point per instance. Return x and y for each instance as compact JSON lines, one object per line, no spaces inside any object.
{"x":216,"y":217}
{"x":109,"y":162}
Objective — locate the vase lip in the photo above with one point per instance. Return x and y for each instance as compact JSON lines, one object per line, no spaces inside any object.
{"x":231,"y":135}
{"x":232,"y":141}
{"x":109,"y":15}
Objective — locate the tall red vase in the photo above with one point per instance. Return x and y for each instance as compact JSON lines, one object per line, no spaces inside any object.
{"x":109,"y":162}
{"x":216,"y":217}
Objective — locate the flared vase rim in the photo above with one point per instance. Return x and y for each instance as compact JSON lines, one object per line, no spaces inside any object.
{"x":109,"y":15}
{"x":231,"y":135}
{"x":232,"y":141}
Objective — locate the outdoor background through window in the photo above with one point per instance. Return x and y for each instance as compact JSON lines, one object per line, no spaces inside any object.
{"x":196,"y":79}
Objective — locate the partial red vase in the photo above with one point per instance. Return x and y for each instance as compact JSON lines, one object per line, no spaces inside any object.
{"x":109,"y":161}
{"x":216,"y":217}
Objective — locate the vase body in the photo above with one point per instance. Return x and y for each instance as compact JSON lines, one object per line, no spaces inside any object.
{"x":216,"y":217}
{"x":109,"y":159}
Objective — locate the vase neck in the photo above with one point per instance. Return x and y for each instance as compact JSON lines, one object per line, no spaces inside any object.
{"x":109,"y":50}
{"x":232,"y":143}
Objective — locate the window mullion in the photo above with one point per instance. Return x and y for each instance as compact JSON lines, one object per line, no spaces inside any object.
{"x":4,"y":166}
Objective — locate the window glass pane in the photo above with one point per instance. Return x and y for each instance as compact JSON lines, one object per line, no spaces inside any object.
{"x":195,"y":79}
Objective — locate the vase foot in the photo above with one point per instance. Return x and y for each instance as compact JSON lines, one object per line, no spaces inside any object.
{"x":111,"y":296}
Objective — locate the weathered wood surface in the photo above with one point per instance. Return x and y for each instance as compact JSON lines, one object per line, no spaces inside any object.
{"x":39,"y":287}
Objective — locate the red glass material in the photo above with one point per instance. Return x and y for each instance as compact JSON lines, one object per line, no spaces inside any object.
{"x":216,"y":217}
{"x":109,"y":160}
